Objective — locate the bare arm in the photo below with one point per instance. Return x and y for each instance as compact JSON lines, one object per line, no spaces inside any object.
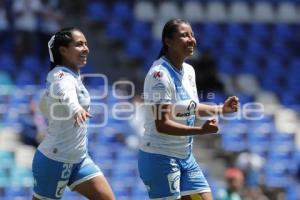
{"x":230,"y":105}
{"x":166,"y":125}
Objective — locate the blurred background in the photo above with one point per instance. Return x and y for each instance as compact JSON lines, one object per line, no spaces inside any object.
{"x":248,"y":48}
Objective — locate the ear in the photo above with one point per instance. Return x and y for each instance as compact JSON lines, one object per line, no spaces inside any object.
{"x":168,"y":41}
{"x":62,"y":50}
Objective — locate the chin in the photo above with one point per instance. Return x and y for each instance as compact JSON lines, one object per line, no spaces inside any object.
{"x":82,"y":65}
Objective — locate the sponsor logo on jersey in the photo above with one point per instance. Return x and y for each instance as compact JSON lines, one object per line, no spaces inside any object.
{"x":158,"y":75}
{"x":191,"y":109}
{"x":158,"y":86}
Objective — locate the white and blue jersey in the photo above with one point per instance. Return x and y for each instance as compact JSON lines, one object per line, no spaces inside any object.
{"x":62,"y":159}
{"x":166,"y":163}
{"x":64,"y":96}
{"x":166,"y":85}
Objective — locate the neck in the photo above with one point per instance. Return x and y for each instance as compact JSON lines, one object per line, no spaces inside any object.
{"x":71,"y":67}
{"x":176,"y":61}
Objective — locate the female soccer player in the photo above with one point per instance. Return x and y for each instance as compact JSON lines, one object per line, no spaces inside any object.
{"x":166,"y":163}
{"x":61,"y":159}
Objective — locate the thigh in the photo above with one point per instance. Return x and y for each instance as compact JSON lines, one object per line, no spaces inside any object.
{"x":202,"y":196}
{"x":192,"y":178}
{"x":160,"y":174}
{"x":88,"y":180}
{"x":50,"y":177}
{"x":96,"y":188}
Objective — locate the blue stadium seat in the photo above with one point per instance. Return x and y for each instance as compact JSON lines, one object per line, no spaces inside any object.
{"x":284,"y":142}
{"x":126,"y":154}
{"x":272,"y":83}
{"x":250,"y":65}
{"x":234,"y":136}
{"x":116,"y":31}
{"x":135,"y":49}
{"x":119,"y":187}
{"x":4,"y":178}
{"x":141,"y":30}
{"x":276,"y":175}
{"x":5,"y":78}
{"x":235,"y":30}
{"x":32,"y":63}
{"x":293,"y":191}
{"x":139,"y":191}
{"x":232,"y":48}
{"x":97,"y":12}
{"x":7,"y":159}
{"x":259,"y":137}
{"x":7,"y":63}
{"x":124,"y":169}
{"x":289,"y":98}
{"x":226,"y":65}
{"x":260,"y":30}
{"x":21,"y":177}
{"x":17,"y":193}
{"x":283,"y":30}
{"x":25,"y":78}
{"x":122,"y":11}
{"x":255,"y":47}
{"x":212,"y":30}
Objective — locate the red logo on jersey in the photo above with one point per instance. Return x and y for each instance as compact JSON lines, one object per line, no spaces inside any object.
{"x":157,"y":74}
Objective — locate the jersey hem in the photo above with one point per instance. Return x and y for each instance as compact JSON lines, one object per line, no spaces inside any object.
{"x":165,"y":154}
{"x":61,"y":160}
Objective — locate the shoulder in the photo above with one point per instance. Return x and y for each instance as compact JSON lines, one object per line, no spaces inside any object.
{"x":158,"y":72}
{"x":58,"y":74}
{"x":188,"y":67}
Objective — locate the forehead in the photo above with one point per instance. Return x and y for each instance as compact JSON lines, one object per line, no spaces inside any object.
{"x":78,"y":36}
{"x":184,"y":27}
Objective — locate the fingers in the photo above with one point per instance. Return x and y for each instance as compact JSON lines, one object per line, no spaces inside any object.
{"x":80,"y":117}
{"x":234,"y":103}
{"x":88,"y":115}
{"x":231,"y":104}
{"x":211,"y":126}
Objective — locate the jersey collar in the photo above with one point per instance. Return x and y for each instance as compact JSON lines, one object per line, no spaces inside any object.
{"x":179,"y":72}
{"x":74,"y":73}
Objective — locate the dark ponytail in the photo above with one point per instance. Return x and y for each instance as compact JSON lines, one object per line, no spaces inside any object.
{"x":60,"y":38}
{"x":169,"y":29}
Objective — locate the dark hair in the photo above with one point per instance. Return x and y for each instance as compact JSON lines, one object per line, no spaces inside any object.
{"x":169,"y":29}
{"x":61,"y":38}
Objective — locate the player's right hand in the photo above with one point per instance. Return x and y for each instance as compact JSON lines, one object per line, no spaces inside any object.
{"x":210,"y":126}
{"x":80,"y":117}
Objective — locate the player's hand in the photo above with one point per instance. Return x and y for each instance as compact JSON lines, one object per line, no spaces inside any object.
{"x":231,"y":105}
{"x":210,"y":126}
{"x":80,"y":117}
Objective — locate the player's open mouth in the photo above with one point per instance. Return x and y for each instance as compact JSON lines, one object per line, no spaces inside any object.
{"x":191,"y":48}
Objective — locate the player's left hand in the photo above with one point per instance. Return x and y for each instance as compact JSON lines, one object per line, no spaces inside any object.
{"x":80,"y":117}
{"x":231,"y":104}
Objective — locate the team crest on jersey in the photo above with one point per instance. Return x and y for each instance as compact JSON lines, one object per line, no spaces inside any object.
{"x":158,"y":75}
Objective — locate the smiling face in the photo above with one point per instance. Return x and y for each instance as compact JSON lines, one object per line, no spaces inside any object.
{"x":75,"y":54}
{"x":183,"y":42}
